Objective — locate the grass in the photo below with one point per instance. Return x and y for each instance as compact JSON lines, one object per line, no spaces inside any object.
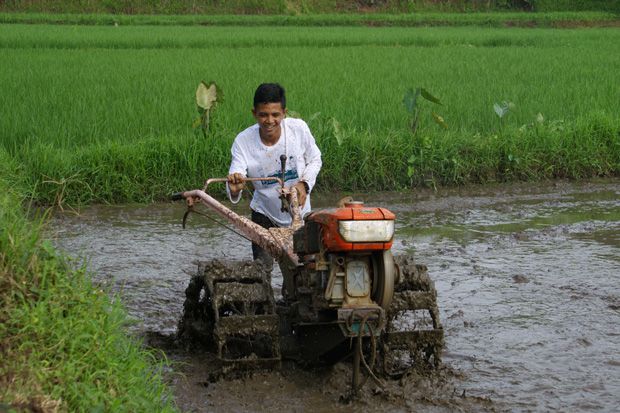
{"x":104,"y":114}
{"x":485,"y":19}
{"x":63,"y":343}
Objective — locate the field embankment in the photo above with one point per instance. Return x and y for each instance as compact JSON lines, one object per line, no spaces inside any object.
{"x":63,"y":342}
{"x":295,"y":7}
{"x":483,"y":19}
{"x":104,"y":114}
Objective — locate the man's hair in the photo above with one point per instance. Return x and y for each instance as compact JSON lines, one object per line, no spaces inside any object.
{"x":270,"y":93}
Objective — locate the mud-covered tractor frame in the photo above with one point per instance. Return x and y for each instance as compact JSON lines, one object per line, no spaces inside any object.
{"x":350,"y":298}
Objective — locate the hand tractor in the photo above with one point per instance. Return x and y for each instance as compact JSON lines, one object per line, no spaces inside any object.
{"x":351,"y":298}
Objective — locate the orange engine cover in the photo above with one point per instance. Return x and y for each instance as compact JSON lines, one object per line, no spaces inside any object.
{"x":354,"y":211}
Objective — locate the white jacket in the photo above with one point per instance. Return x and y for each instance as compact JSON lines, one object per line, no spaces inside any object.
{"x":252,"y":158}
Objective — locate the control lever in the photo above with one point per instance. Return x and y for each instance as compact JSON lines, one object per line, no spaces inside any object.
{"x":285,"y":206}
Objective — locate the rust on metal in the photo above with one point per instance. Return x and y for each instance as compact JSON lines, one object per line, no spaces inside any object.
{"x":277,"y":241}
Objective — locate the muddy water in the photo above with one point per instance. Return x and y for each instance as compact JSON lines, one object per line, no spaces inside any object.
{"x":528,"y":278}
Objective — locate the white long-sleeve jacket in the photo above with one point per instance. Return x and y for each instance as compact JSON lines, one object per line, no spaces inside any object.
{"x":252,"y":158}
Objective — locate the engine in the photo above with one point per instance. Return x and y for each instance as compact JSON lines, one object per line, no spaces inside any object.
{"x":347,"y":262}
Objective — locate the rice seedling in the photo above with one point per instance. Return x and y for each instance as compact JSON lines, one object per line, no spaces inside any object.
{"x":112,"y":107}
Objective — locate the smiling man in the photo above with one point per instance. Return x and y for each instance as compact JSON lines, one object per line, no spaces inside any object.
{"x":256,"y":152}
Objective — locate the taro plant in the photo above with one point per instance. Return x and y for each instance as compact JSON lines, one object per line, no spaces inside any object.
{"x":410,"y":100}
{"x":338,"y":132}
{"x":208,"y":95}
{"x":502,"y":109}
{"x":424,"y":147}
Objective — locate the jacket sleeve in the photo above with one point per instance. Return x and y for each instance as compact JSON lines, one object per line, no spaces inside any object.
{"x":312,"y":157}
{"x":237,"y":165}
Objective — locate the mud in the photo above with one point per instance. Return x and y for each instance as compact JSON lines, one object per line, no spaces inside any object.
{"x":527,"y":278}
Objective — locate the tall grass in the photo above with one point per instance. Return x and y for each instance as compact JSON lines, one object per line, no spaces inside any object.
{"x":63,"y":345}
{"x":104,"y":113}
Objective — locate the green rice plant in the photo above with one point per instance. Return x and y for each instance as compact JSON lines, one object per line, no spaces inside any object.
{"x":117,"y":108}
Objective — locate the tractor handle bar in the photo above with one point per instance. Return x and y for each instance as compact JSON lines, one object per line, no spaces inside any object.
{"x":267,"y":178}
{"x":177,"y":196}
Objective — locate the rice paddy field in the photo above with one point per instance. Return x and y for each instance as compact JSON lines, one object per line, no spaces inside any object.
{"x":105,"y":113}
{"x":99,"y":108}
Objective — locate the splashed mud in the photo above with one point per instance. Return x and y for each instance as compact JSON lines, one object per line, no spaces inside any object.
{"x":528,"y":290}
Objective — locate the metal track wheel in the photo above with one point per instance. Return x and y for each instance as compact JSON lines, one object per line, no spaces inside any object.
{"x":414,"y":335}
{"x":230,"y":308}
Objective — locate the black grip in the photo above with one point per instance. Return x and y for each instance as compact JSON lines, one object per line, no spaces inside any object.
{"x":177,"y":196}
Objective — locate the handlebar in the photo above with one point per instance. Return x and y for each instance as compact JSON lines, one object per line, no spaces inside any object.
{"x":266,"y":178}
{"x":177,"y":196}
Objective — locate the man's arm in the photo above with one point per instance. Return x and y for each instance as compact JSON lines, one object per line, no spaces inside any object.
{"x":236,"y":173}
{"x":313,"y":163}
{"x":312,"y":156}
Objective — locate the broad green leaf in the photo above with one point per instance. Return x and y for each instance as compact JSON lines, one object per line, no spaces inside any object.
{"x":439,"y":120}
{"x":410,"y":171}
{"x":206,"y":95}
{"x":411,"y":159}
{"x":499,"y":110}
{"x":197,"y":122}
{"x":426,"y":95}
{"x":337,"y":131}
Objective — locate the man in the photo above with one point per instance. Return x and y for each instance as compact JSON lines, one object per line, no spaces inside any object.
{"x":256,"y":153}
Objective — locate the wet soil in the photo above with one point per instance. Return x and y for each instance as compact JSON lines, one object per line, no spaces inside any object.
{"x":528,"y":288}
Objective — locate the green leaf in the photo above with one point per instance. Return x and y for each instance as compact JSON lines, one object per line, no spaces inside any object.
{"x":411,"y":159}
{"x":439,"y":120}
{"x":338,"y":134}
{"x":197,"y":122}
{"x":426,"y":95}
{"x":410,"y":99}
{"x":206,"y":95}
{"x":540,"y":118}
{"x":410,"y":171}
{"x":427,"y":142}
{"x":500,"y":110}
{"x":504,"y":108}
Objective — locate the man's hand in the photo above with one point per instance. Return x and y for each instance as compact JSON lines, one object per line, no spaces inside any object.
{"x":236,"y":183}
{"x":301,"y":193}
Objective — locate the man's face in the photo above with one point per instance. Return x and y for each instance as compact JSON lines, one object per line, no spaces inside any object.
{"x":269,"y":116}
